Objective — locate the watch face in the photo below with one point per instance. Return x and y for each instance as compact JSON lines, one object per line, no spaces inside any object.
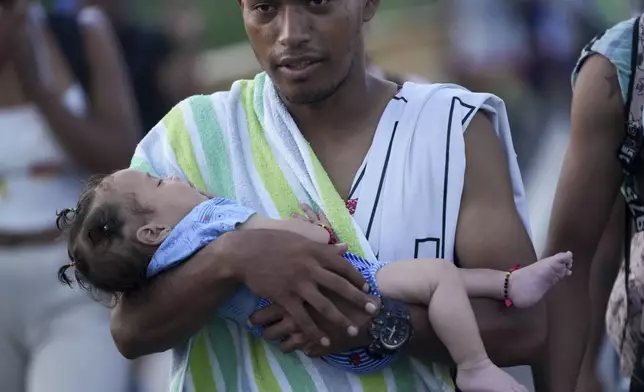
{"x":394,"y":333}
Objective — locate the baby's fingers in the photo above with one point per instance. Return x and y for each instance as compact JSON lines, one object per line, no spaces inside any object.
{"x":310,"y":214}
{"x":300,"y":217}
{"x":323,"y":219}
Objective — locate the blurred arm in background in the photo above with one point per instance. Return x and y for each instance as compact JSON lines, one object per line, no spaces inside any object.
{"x":586,"y":195}
{"x":161,"y":62}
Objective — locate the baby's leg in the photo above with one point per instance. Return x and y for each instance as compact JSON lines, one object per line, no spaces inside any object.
{"x":438,"y":284}
{"x":527,"y":286}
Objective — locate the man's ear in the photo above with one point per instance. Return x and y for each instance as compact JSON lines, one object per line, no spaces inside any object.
{"x":370,"y":8}
{"x":152,"y":234}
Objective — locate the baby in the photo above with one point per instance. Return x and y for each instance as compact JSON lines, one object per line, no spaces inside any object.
{"x":130,"y":226}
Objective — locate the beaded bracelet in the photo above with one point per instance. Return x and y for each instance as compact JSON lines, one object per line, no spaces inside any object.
{"x":506,"y":285}
{"x":332,"y":238}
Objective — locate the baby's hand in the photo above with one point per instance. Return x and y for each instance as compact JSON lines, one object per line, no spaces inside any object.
{"x":310,"y":216}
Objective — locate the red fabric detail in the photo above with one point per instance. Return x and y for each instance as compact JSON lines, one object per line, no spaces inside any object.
{"x":352,"y":205}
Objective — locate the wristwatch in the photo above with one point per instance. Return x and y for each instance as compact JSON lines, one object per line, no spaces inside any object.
{"x":391,"y":329}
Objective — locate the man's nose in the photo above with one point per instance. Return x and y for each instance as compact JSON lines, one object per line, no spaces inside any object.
{"x":295,"y":28}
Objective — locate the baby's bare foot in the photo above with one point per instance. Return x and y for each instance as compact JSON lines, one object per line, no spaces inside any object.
{"x":528,"y":285}
{"x":486,"y":377}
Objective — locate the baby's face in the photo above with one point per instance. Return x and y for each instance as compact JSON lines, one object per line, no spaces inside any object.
{"x":171,"y":199}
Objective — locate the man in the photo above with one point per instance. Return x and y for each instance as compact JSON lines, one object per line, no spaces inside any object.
{"x":319,"y":129}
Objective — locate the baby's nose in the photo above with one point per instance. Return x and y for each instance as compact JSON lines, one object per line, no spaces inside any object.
{"x":173,"y":178}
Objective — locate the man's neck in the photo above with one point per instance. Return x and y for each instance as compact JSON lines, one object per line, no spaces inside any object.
{"x":354,"y":101}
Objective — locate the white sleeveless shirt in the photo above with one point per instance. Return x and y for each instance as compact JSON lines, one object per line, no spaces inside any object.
{"x":29,"y":198}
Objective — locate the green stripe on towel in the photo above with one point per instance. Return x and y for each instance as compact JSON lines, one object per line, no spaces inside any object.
{"x":274,"y":181}
{"x":214,"y":146}
{"x":179,"y":139}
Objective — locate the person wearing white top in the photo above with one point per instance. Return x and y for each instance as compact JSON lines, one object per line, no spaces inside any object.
{"x":52,"y":135}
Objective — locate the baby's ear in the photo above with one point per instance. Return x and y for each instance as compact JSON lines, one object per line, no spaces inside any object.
{"x":152,"y":234}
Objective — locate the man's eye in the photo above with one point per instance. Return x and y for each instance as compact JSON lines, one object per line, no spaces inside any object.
{"x":318,"y":2}
{"x":264,"y":7}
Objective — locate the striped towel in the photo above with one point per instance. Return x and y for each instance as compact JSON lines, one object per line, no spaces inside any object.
{"x":243,"y":145}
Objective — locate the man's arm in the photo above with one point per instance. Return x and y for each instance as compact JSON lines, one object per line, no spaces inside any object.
{"x":191,"y":293}
{"x":586,"y":193}
{"x":283,"y":267}
{"x":490,"y":234}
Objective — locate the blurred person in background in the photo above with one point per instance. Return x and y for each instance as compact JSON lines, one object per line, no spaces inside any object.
{"x":160,"y":62}
{"x":53,"y":135}
{"x":146,"y":52}
{"x":488,"y":51}
{"x":185,"y":27}
{"x":520,"y":50}
{"x":589,"y":216}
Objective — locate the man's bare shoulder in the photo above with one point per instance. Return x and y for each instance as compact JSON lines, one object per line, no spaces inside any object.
{"x":487,"y":160}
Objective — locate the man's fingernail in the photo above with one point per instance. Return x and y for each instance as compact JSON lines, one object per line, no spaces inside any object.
{"x":370,"y":307}
{"x":366,"y":288}
{"x":249,"y":324}
{"x":353,"y":331}
{"x":325,"y":342}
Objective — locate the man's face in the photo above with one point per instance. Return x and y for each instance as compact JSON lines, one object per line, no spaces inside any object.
{"x":307,"y":47}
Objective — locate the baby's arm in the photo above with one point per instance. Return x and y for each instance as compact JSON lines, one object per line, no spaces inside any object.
{"x":296,"y":225}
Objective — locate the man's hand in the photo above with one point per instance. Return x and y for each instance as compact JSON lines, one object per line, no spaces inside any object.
{"x":281,"y":266}
{"x":280,"y":326}
{"x":291,"y":271}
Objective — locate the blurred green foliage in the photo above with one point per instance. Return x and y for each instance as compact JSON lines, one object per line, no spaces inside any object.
{"x":223,"y":17}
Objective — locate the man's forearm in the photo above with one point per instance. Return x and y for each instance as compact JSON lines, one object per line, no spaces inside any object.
{"x":173,"y":306}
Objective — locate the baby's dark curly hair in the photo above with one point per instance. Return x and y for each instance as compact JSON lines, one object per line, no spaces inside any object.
{"x":103,"y":259}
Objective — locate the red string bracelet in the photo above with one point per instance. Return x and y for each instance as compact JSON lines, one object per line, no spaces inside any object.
{"x":332,"y":238}
{"x":506,"y":285}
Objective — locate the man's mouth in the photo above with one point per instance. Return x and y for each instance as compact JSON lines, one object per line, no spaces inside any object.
{"x":298,"y":68}
{"x":299,"y":65}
